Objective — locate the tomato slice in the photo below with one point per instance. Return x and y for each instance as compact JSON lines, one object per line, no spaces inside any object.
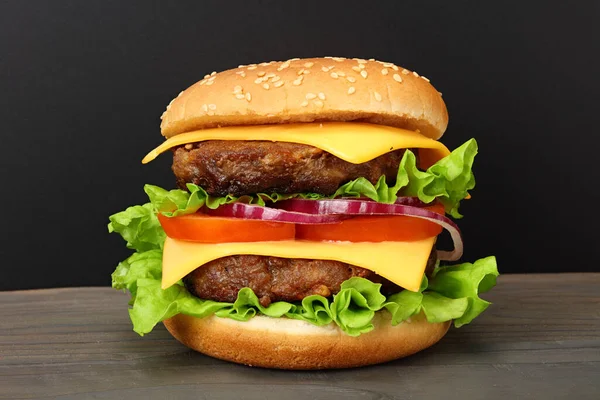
{"x":373,"y":229}
{"x":206,"y":229}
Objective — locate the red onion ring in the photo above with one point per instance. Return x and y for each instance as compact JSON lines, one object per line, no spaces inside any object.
{"x":346,"y":206}
{"x":248,"y":211}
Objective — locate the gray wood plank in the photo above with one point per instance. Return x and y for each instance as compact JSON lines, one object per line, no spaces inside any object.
{"x":540,"y":339}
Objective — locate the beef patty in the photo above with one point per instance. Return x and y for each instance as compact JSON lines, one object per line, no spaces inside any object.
{"x":237,"y":168}
{"x":279,"y":279}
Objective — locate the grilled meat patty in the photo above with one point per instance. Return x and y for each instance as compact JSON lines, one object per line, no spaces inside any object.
{"x":279,"y":279}
{"x":237,"y":168}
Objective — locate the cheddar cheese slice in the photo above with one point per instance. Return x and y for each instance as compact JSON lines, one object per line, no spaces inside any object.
{"x":400,"y":262}
{"x":353,"y":142}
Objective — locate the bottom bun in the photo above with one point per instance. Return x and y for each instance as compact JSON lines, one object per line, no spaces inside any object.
{"x":292,"y":344}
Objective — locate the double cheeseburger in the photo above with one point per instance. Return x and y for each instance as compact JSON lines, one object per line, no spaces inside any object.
{"x":303,"y":232}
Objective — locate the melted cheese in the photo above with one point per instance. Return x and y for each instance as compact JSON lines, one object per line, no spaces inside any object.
{"x":353,"y":142}
{"x":400,"y":262}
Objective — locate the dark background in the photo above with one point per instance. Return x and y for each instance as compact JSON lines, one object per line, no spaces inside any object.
{"x":83,"y":85}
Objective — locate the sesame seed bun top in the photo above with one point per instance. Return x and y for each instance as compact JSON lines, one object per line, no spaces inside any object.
{"x":309,"y":90}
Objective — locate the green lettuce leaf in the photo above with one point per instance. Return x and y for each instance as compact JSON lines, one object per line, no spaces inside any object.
{"x":403,"y":305}
{"x":139,"y":266}
{"x":438,"y":308}
{"x":140,"y":228}
{"x":448,"y":180}
{"x":466,"y":281}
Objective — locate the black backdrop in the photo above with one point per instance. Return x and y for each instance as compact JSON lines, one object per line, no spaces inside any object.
{"x":83,"y":84}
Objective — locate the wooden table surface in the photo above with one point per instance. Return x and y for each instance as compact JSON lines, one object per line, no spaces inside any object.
{"x":540,"y":339}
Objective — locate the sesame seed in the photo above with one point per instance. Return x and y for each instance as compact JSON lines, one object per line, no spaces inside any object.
{"x":397,"y":78}
{"x":240,"y":66}
{"x":294,"y":59}
{"x":310,"y":96}
{"x":211,"y":113}
{"x":331,"y":67}
{"x":241,"y":73}
{"x":384,"y":71}
{"x":356,"y":68}
{"x":278,"y":83}
{"x":275,"y":78}
{"x":300,"y":71}
{"x":240,"y":96}
{"x":387,"y":64}
{"x":377,"y":96}
{"x":351,"y":90}
{"x":319,"y":103}
{"x":248,"y":96}
{"x":180,"y":93}
{"x":341,"y":73}
{"x":261,"y":73}
{"x":237,"y":89}
{"x":213,"y":73}
{"x":350,"y":79}
{"x":266,"y":86}
{"x":309,"y":64}
{"x":361,"y":61}
{"x":258,"y":80}
{"x":338,"y":59}
{"x":334,"y":75}
{"x":371,"y":59}
{"x":212,"y":106}
{"x":395,"y":68}
{"x":361,"y":66}
{"x":425,"y":79}
{"x":204,"y":107}
{"x":264,"y":64}
{"x":202,"y":82}
{"x":208,"y":83}
{"x":251,"y":67}
{"x":269,"y":75}
{"x":440,"y":93}
{"x":324,"y":69}
{"x":189,"y":146}
{"x":206,"y":76}
{"x":298,"y":81}
{"x":306,"y":72}
{"x":405,"y":71}
{"x":415,"y":74}
{"x":304,"y":103}
{"x":322,"y":96}
{"x":363,"y":73}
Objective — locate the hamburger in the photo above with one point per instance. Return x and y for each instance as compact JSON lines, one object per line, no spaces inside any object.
{"x":303,"y":232}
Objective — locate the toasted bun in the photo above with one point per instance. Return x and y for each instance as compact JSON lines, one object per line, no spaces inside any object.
{"x":292,"y":344}
{"x":309,"y":90}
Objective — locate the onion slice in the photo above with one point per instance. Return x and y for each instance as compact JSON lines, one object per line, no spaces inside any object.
{"x":248,"y":211}
{"x":349,"y":207}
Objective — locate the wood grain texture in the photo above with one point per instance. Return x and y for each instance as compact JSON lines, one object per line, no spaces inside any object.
{"x":540,"y":339}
